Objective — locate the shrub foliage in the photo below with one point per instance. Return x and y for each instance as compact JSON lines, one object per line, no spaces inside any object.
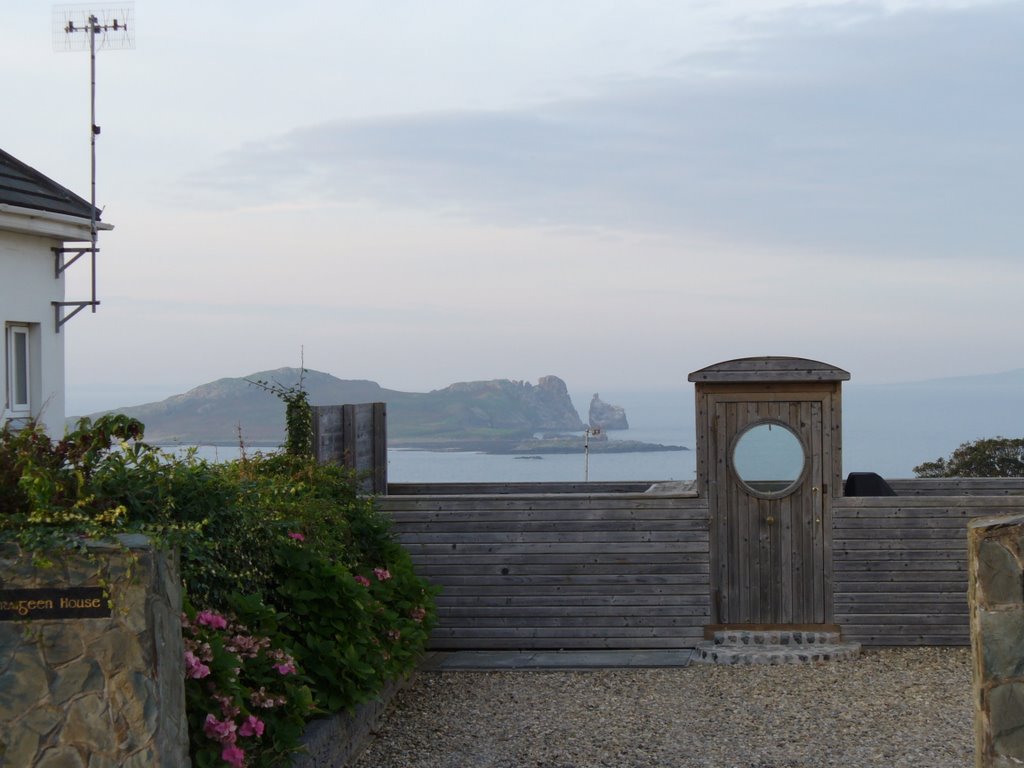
{"x":988,"y":457}
{"x":276,"y":550}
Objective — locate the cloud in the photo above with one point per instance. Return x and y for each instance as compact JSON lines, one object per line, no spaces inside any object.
{"x":844,"y":132}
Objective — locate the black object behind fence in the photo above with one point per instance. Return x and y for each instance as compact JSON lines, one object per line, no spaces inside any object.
{"x":867,"y":484}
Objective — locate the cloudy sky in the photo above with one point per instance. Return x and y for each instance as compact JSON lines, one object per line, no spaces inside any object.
{"x":614,"y":192}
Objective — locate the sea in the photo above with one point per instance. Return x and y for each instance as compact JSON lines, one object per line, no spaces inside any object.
{"x":888,"y":429}
{"x":413,"y":466}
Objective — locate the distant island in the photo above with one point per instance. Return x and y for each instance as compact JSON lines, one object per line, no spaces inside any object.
{"x":538,"y":446}
{"x":501,"y":416}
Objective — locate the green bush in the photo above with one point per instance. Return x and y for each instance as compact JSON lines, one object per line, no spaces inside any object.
{"x":351,"y":631}
{"x":988,"y":457}
{"x":279,"y":546}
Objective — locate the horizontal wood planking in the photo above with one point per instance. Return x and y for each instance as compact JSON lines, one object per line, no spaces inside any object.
{"x":769,"y":369}
{"x":560,"y":570}
{"x":597,"y":570}
{"x":552,"y":504}
{"x":958,"y":486}
{"x":491,"y":489}
{"x":901,"y":566}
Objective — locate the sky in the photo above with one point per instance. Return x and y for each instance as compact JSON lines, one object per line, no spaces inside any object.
{"x":617,"y":193}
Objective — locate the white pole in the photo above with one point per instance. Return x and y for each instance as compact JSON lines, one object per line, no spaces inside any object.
{"x":93,"y":130}
{"x":586,"y":455}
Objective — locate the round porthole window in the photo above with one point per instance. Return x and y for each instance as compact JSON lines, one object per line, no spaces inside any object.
{"x":769,"y":459}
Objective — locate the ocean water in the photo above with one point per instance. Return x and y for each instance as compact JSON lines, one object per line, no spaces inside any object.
{"x":433,"y":467}
{"x":886,"y":429}
{"x":406,"y":466}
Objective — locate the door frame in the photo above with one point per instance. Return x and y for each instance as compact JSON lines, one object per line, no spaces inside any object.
{"x":784,"y":381}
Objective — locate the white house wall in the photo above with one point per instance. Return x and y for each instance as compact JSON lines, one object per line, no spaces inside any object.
{"x":27,"y":286}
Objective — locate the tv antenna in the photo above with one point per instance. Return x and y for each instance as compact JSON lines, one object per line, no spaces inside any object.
{"x":81,"y":28}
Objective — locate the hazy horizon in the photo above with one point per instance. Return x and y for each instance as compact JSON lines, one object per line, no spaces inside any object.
{"x":613,"y":192}
{"x":887,"y":428}
{"x":80,"y":403}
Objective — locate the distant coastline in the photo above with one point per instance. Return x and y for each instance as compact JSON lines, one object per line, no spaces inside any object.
{"x":539,"y":447}
{"x":536,"y":447}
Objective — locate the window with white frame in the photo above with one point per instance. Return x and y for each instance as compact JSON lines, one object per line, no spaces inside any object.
{"x":19,"y":398}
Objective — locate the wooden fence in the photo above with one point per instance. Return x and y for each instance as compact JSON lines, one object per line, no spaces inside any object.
{"x":354,"y":436}
{"x":561,"y":570}
{"x":900,"y":566}
{"x":544,"y":566}
{"x":959,"y":486}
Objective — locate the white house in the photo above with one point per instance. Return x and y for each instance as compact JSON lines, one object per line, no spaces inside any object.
{"x":44,"y":229}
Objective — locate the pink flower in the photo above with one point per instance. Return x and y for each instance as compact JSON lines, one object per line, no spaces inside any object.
{"x":205,"y":652}
{"x":418,"y":614}
{"x":194,"y":668}
{"x":252,"y":726}
{"x":296,"y":536}
{"x":227,"y":706}
{"x":265,"y":700}
{"x":246,"y":646}
{"x":233,"y":756}
{"x":220,"y":730}
{"x":362,"y":581}
{"x":211,"y":620}
{"x":286,"y":668}
{"x":394,"y":634}
{"x":382,"y":574}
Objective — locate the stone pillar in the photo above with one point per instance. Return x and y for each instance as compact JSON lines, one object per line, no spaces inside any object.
{"x":996,"y":595}
{"x":91,"y":659}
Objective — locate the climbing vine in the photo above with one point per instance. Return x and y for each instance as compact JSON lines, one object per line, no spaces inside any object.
{"x":298,"y":414}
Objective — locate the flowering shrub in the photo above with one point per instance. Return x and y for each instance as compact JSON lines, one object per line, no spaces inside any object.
{"x":246,"y":700}
{"x":306,"y":596}
{"x":350,"y":632}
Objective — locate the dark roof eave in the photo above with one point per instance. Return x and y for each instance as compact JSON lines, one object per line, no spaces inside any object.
{"x":23,"y":186}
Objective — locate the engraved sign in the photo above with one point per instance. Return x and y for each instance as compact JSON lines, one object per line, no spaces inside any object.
{"x":54,"y":603}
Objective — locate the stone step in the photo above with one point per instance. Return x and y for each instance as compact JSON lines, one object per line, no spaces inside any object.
{"x":787,"y":637}
{"x":773,"y":647}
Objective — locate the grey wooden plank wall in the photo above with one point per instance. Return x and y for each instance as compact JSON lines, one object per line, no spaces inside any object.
{"x":355,"y":436}
{"x":900,"y":566}
{"x":560,"y":571}
{"x":489,"y":489}
{"x":958,"y":486}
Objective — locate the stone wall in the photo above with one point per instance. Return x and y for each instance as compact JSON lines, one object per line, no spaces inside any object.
{"x":103,"y":688}
{"x":996,"y":596}
{"x":336,"y":741}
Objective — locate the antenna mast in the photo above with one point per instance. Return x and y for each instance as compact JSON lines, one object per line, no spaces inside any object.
{"x":77,"y":28}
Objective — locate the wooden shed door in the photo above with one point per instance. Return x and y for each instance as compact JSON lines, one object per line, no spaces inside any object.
{"x":767,"y":486}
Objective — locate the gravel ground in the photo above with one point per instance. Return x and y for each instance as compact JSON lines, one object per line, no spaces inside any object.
{"x":889,"y":708}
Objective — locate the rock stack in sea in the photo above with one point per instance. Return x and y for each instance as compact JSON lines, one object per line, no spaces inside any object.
{"x":606,"y":416}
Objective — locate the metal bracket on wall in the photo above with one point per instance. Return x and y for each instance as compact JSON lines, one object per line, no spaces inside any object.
{"x":60,"y":263}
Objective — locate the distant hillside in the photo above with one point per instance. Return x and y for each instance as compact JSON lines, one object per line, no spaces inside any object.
{"x":214,"y":413}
